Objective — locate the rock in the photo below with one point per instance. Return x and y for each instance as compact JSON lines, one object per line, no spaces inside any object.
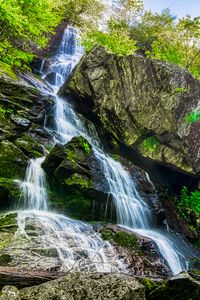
{"x":22,"y":122}
{"x":9,"y":192}
{"x":9,"y":292}
{"x":29,"y":146}
{"x":81,"y":286}
{"x":181,"y":287}
{"x":141,"y":104}
{"x":140,"y":253}
{"x":73,"y":168}
{"x":51,"y":78}
{"x":13,"y":162}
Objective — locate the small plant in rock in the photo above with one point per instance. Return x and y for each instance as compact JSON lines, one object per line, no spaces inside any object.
{"x":86,"y":147}
{"x":193,"y":117}
{"x":150,"y":144}
{"x":181,"y":90}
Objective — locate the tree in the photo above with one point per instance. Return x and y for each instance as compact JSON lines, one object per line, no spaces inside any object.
{"x":25,"y":24}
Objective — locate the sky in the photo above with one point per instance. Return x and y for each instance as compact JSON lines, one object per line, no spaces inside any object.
{"x":177,"y":7}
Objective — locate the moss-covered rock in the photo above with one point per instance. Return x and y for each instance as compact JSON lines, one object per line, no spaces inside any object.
{"x":141,"y":253}
{"x":135,"y":101}
{"x":29,"y":146}
{"x":81,"y":286}
{"x":71,"y":168}
{"x":181,"y":287}
{"x":13,"y":162}
{"x":9,"y":192}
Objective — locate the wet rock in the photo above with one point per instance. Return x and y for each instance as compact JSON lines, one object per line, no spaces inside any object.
{"x":181,"y":287}
{"x":140,"y":253}
{"x":51,"y":78}
{"x":22,"y":122}
{"x":73,"y":168}
{"x":80,"y":286}
{"x":138,"y":103}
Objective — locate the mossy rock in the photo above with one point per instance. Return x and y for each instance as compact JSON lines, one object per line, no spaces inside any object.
{"x":9,"y":192}
{"x":8,"y":222}
{"x":181,"y":287}
{"x":29,"y":146}
{"x":13,"y":162}
{"x":122,"y":238}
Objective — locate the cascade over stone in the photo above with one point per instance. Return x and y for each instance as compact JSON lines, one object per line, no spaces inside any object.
{"x":142,"y":104}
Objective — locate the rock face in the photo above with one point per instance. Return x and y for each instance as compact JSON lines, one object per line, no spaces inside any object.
{"x":142,"y":104}
{"x":22,"y":113}
{"x":81,"y":286}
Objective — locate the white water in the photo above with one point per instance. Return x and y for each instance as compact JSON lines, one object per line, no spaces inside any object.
{"x":132,"y":211}
{"x":34,"y":187}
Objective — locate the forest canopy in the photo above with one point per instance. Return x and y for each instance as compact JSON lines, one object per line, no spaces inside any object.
{"x":27,"y":25}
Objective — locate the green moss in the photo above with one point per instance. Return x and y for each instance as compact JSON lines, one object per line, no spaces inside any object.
{"x":10,"y":187}
{"x":8,"y":222}
{"x":150,"y":285}
{"x":122,"y":238}
{"x":29,"y":146}
{"x":150,"y":144}
{"x":181,"y":90}
{"x":77,"y":179}
{"x":10,"y":156}
{"x":4,"y":68}
{"x":87,"y":148}
{"x":193,"y":117}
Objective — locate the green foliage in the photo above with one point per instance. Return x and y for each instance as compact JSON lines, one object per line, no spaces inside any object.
{"x":4,"y":112}
{"x":189,"y":208}
{"x":181,"y":90}
{"x":150,"y":144}
{"x":193,"y":117}
{"x":178,"y":43}
{"x":84,"y":14}
{"x":190,"y":200}
{"x":87,"y":147}
{"x":118,"y":43}
{"x":24,"y":25}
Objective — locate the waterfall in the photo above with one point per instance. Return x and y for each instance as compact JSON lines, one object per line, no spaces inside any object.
{"x":34,"y":187}
{"x":133,"y":212}
{"x":74,"y":239}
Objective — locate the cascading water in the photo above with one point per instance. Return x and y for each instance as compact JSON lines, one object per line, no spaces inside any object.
{"x":132,"y":211}
{"x":71,"y":237}
{"x":34,"y":188}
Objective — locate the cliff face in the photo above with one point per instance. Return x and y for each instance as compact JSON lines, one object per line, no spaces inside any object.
{"x":142,"y":104}
{"x":22,"y":113}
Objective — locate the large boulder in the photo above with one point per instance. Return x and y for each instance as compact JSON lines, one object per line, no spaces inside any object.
{"x":140,"y":103}
{"x":181,"y":287}
{"x":74,"y":169}
{"x":81,"y":286}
